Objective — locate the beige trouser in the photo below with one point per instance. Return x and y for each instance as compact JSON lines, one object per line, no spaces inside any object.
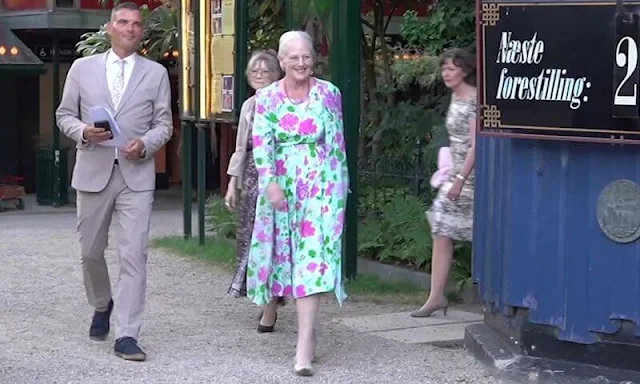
{"x":133,"y":216}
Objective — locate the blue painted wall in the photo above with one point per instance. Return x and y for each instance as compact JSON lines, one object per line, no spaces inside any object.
{"x":537,"y":242}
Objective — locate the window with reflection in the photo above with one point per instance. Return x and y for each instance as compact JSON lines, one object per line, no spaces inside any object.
{"x":315,"y":17}
{"x":65,"y":3}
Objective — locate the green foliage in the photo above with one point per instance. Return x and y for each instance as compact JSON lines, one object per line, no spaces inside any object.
{"x":266,"y":23}
{"x":451,"y":23}
{"x":396,"y":148}
{"x":405,"y":229}
{"x":162,"y":30}
{"x":373,"y":197}
{"x":399,"y":235}
{"x":218,"y":219}
{"x":410,"y":95}
{"x":423,"y":70}
{"x":439,"y":138}
{"x":219,"y":251}
{"x":222,"y":253}
{"x":161,"y":34}
{"x":92,"y":43}
{"x":461,"y":268}
{"x":403,"y":129}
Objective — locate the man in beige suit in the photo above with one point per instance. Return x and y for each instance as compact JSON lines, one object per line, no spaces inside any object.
{"x":120,"y":180}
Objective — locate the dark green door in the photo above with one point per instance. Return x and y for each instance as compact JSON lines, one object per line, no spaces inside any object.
{"x":8,"y":125}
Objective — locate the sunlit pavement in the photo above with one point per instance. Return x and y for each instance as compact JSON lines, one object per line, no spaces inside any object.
{"x":193,"y":331}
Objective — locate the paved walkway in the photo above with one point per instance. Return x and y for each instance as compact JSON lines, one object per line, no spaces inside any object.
{"x":193,"y":332}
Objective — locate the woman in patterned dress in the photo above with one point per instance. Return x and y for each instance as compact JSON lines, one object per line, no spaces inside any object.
{"x":451,"y":215}
{"x":263,"y":69}
{"x":299,"y":149}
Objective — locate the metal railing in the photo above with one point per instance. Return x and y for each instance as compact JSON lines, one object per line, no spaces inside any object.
{"x":382,"y":179}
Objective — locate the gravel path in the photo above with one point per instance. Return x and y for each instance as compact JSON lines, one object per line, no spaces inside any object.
{"x":193,"y":332}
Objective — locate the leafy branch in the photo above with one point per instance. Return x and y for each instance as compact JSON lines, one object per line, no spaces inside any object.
{"x":451,"y":23}
{"x":160,"y":37}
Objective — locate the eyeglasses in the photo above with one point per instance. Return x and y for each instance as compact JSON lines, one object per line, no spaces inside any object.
{"x":261,"y":72}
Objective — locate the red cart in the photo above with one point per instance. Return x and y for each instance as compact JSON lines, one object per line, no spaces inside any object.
{"x":11,"y":192}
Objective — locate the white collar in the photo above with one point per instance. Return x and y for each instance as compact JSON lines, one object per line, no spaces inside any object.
{"x":113,"y":58}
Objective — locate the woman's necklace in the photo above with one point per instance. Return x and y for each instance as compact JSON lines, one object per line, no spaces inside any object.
{"x":286,"y":92}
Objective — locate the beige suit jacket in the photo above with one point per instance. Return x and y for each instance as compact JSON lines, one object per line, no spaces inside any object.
{"x":245,"y":121}
{"x":144,"y":113}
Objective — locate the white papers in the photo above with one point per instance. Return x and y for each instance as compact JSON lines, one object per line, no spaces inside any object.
{"x":104,"y":114}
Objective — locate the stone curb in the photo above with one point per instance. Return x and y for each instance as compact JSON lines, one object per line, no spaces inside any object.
{"x":394,"y":274}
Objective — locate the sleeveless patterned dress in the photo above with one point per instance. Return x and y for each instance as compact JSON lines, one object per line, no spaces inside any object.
{"x":454,"y":219}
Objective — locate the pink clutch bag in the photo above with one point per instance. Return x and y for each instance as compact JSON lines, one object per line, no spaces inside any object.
{"x":445,"y":163}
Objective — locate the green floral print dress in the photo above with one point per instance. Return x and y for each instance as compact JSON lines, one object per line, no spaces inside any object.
{"x":296,"y":251}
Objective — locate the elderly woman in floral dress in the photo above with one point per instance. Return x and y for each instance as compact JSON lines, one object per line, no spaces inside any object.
{"x":299,"y":150}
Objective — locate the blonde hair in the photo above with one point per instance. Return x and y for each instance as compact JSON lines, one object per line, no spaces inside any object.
{"x":290,"y":36}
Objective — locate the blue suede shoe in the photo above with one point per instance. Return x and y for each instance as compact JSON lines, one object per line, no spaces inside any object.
{"x":127,"y":348}
{"x":100,"y":324}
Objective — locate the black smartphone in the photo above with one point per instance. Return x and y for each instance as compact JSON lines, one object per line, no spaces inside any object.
{"x":104,"y":124}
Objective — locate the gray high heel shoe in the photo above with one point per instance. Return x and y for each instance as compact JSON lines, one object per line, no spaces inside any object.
{"x":427,"y":312}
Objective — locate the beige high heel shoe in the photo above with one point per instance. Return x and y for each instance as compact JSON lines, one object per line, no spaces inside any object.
{"x":303,"y":370}
{"x":306,"y":370}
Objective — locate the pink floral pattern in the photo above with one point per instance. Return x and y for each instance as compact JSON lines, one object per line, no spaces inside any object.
{"x":297,"y":251}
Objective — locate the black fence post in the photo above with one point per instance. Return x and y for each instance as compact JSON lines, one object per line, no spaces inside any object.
{"x":417,"y":166}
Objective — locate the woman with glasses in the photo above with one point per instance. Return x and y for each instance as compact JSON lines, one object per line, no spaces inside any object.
{"x":263,"y":69}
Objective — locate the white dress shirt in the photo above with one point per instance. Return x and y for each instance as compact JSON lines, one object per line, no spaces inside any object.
{"x":113,"y":68}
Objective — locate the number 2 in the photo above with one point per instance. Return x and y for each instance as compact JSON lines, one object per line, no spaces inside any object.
{"x":630,"y":61}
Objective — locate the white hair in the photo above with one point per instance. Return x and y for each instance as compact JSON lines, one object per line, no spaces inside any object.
{"x":290,"y":36}
{"x":270,"y":61}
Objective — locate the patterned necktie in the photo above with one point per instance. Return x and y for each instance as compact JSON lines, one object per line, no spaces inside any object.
{"x":117,"y":87}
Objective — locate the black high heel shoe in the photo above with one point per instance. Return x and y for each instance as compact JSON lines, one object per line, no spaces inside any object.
{"x":281,"y":302}
{"x":267,"y":328}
